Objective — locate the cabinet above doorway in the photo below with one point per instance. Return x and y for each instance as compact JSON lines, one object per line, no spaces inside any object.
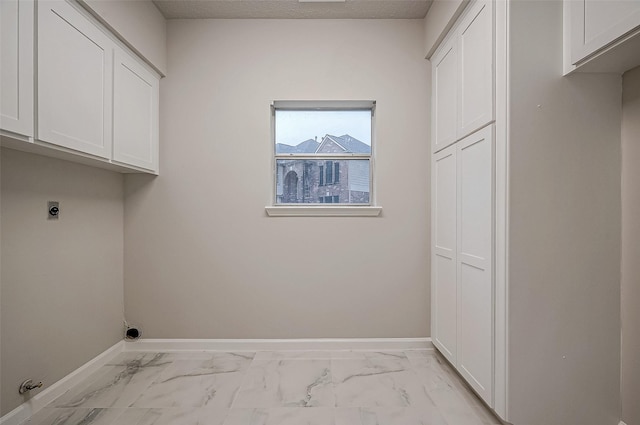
{"x":601,"y":36}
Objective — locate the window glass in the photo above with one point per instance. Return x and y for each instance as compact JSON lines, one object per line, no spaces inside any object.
{"x":326,"y":132}
{"x":301,"y":181}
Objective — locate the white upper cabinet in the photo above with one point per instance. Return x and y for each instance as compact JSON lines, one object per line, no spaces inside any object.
{"x":475,"y":105}
{"x":445,"y":110}
{"x":135,"y":121}
{"x":83,"y":96}
{"x":16,"y":66}
{"x":597,"y":23}
{"x":75,"y":62}
{"x":463,"y":77}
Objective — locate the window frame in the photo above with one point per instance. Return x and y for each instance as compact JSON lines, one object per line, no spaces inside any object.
{"x":321,"y":209}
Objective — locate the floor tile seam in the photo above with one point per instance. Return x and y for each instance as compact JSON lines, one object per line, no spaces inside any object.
{"x":150,"y":382}
{"x":122,"y":412}
{"x":241,"y":385}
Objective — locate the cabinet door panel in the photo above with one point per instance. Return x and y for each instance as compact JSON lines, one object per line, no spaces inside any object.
{"x":135,"y":125}
{"x":16,"y":66}
{"x":475,"y":247}
{"x":444,"y":76}
{"x":475,"y":105}
{"x":75,"y":61}
{"x":596,"y":23}
{"x":444,"y":292}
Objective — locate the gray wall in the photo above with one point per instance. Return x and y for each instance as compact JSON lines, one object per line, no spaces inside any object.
{"x":564,"y":243}
{"x":631,"y":247}
{"x":61,"y":281}
{"x":204,"y":260}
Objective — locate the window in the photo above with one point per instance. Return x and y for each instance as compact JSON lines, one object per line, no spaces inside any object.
{"x":329,"y":168}
{"x":323,"y":152}
{"x":330,"y":199}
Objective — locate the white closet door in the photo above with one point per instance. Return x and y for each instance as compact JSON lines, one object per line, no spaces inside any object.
{"x":75,"y":77}
{"x":475,"y":64}
{"x":16,"y":66}
{"x":135,"y":121}
{"x":475,"y":261}
{"x":443,"y":257}
{"x":444,"y":78}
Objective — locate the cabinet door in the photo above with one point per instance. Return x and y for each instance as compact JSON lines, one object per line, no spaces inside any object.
{"x":16,"y":66}
{"x":135,"y":121}
{"x":475,"y":260}
{"x":596,"y":23}
{"x":75,"y":77}
{"x":444,"y":76}
{"x":475,"y":64}
{"x":443,"y":256}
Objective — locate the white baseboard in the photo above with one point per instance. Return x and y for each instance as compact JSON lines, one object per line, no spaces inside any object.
{"x":168,"y":345}
{"x":622,"y":423}
{"x":40,"y":400}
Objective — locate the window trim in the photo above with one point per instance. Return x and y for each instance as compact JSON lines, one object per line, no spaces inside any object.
{"x":317,"y":209}
{"x":322,"y":210}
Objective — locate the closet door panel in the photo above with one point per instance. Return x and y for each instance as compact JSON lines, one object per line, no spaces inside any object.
{"x":475,"y":246}
{"x":475,"y":58}
{"x":444,"y":291}
{"x":444,"y":77}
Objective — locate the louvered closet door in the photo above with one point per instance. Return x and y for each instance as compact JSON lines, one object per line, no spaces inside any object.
{"x":443,"y":261}
{"x":475,"y":260}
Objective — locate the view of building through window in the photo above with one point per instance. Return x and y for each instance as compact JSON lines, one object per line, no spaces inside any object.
{"x":333,"y":168}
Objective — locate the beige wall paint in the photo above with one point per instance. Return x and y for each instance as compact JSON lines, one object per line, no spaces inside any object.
{"x":140,"y":23}
{"x":631,"y":247}
{"x":564,"y":242}
{"x":440,"y":18}
{"x":61,"y":281}
{"x":202,"y":258}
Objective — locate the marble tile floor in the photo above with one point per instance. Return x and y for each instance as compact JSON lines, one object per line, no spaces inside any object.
{"x":414,"y":387}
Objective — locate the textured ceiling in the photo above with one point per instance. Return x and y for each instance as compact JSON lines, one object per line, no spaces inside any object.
{"x":292,"y":9}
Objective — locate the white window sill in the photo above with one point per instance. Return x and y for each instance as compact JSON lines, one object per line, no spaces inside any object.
{"x":322,"y":211}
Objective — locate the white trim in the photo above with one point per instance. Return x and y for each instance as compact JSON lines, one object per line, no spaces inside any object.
{"x":321,"y":1}
{"x":168,"y":345}
{"x":622,"y":423}
{"x":318,"y":105}
{"x":501,"y":288}
{"x":567,"y":66}
{"x":322,"y":211}
{"x":40,"y":400}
